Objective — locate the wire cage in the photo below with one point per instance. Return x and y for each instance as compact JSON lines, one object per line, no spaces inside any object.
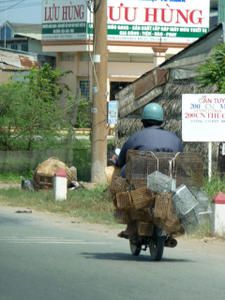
{"x":186,"y":168}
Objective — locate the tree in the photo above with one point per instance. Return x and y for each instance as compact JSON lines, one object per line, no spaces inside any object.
{"x":212,"y":72}
{"x":30,"y":109}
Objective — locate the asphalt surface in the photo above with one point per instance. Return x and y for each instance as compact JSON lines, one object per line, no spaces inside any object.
{"x":49,"y":257}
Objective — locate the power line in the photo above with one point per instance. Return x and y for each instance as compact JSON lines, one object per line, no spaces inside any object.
{"x":12,"y":6}
{"x":24,"y":6}
{"x":3,"y":8}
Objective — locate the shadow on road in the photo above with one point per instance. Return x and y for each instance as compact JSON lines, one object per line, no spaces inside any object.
{"x":128,"y":257}
{"x":7,"y":220}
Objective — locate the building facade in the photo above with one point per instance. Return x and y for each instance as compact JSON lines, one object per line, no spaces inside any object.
{"x":25,"y":38}
{"x":141,"y":35}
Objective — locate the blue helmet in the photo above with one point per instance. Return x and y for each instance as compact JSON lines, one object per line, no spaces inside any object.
{"x":153,"y":111}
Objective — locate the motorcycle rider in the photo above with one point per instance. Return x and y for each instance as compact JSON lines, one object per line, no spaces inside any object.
{"x":152,"y":138}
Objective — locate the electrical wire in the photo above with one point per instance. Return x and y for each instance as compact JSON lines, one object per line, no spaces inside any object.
{"x":12,"y":6}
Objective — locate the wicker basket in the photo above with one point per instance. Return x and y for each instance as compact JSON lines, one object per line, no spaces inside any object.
{"x":138,"y":183}
{"x":119,"y":184}
{"x":145,"y":229}
{"x":142,"y":197}
{"x":172,"y":226}
{"x":144,"y":214}
{"x":162,"y":202}
{"x":122,"y":216}
{"x":123,"y":200}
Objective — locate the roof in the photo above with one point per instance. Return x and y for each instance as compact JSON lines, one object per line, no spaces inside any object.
{"x":10,"y":61}
{"x":153,"y":84}
{"x":25,"y":29}
{"x":201,"y":46}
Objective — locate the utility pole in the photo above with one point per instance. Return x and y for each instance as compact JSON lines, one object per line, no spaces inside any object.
{"x":99,"y":107}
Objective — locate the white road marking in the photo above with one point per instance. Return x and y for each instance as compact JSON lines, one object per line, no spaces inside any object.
{"x":49,"y":240}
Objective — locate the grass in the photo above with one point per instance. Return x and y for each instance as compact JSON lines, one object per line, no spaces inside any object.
{"x":9,"y":178}
{"x":216,"y":185}
{"x":91,"y":205}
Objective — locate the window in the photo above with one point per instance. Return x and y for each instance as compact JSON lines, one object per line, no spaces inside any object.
{"x":14,"y":46}
{"x":115,"y":87}
{"x":24,"y":47}
{"x":84,"y":88}
{"x":67,"y":56}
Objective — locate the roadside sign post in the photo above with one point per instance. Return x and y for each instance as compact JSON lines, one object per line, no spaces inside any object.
{"x":209,"y":161}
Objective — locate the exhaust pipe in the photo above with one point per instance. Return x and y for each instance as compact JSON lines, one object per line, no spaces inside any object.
{"x":171,"y":243}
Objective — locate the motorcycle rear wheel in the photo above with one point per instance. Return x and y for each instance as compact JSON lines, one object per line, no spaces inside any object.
{"x":156,"y":247}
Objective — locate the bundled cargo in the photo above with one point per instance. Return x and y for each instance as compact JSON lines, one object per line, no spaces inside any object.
{"x":187,"y":168}
{"x":162,"y":203}
{"x":145,"y":228}
{"x":138,"y":183}
{"x":148,"y":196}
{"x":144,"y":214}
{"x":185,"y":204}
{"x":124,"y":200}
{"x":184,"y":201}
{"x":141,"y":163}
{"x":119,"y":184}
{"x":159,"y":182}
{"x":142,"y":197}
{"x":122,"y":216}
{"x":45,"y":171}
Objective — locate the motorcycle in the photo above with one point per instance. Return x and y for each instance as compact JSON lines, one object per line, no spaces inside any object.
{"x":155,"y":241}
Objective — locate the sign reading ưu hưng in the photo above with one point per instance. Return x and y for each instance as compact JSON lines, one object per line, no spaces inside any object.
{"x":180,"y":21}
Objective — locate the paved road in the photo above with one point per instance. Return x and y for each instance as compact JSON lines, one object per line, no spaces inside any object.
{"x":50,"y":258}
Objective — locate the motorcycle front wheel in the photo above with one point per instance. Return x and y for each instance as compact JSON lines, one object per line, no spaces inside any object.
{"x":156,"y":247}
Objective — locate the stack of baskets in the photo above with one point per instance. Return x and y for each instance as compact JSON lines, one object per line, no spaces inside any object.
{"x":135,"y":203}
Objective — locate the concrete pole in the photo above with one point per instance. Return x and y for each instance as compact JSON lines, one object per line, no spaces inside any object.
{"x":99,"y":108}
{"x":159,"y":55}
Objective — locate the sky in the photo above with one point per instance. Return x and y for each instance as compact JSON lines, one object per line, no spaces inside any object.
{"x":20,"y":11}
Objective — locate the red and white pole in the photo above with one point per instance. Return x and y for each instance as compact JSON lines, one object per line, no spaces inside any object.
{"x":60,"y":185}
{"x":219,"y":214}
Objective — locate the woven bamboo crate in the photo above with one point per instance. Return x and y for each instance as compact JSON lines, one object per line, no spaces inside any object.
{"x":142,"y":197}
{"x":169,"y":221}
{"x":162,"y":202}
{"x":123,"y":200}
{"x":138,"y":182}
{"x":122,"y":216}
{"x":119,"y":184}
{"x":173,"y":226}
{"x":144,"y":214}
{"x":43,"y":182}
{"x":145,"y":229}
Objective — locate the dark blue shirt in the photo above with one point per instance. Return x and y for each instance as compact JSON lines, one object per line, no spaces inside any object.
{"x":153,"y":139}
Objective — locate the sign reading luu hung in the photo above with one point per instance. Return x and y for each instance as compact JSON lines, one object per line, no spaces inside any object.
{"x":128,"y":20}
{"x":203,"y":117}
{"x":63,"y":19}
